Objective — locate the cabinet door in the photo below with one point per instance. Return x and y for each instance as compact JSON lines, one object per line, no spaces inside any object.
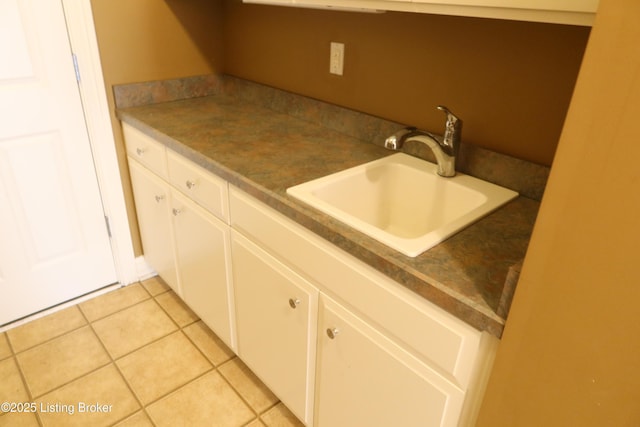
{"x":276,"y":321}
{"x":151,"y":195}
{"x":364,"y":379}
{"x":202,"y":248}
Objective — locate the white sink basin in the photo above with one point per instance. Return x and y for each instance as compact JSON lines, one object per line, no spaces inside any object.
{"x":400,"y":201}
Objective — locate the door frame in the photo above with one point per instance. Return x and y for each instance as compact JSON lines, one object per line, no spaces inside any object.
{"x":84,"y":44}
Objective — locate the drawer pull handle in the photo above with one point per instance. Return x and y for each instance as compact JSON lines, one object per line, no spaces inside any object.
{"x":294,"y":302}
{"x":140,"y":151}
{"x":176,"y":212}
{"x":333,"y":332}
{"x":190,"y":184}
{"x":159,"y":198}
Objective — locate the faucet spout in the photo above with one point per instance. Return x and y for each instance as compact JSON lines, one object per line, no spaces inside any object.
{"x":397,"y":140}
{"x":445,"y":158}
{"x":445,"y":147}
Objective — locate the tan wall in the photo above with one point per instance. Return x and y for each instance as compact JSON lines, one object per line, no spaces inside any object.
{"x":144,"y":40}
{"x":570,"y":354}
{"x":510,"y":81}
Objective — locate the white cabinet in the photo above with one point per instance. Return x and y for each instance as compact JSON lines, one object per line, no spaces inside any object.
{"x":338,"y":342}
{"x":365,"y":379}
{"x":572,"y":12}
{"x":394,"y":355}
{"x":184,"y":238}
{"x":204,"y":264}
{"x":276,"y":323}
{"x":152,"y":196}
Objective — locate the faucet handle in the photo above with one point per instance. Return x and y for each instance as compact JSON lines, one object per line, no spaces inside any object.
{"x":452,"y":131}
{"x":453,"y":121}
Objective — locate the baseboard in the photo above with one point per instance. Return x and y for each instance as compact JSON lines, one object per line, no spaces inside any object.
{"x":144,"y":270}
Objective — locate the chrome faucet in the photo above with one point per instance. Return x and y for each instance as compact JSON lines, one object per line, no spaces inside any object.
{"x":445,"y":147}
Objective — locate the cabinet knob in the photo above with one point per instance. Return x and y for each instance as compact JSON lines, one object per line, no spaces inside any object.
{"x":190,"y":184}
{"x":332,"y":332}
{"x":294,"y":302}
{"x":159,"y":198}
{"x":140,"y":151}
{"x":176,"y":212}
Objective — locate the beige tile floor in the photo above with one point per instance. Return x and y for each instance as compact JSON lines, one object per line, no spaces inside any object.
{"x":136,"y":356}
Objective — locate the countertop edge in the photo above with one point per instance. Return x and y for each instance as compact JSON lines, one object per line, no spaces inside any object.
{"x":457,"y":305}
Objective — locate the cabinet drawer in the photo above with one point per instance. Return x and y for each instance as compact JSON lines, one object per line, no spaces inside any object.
{"x":200,"y":185}
{"x":145,"y":150}
{"x":437,"y":337}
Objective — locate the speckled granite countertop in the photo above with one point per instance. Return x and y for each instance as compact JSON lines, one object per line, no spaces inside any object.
{"x":263,"y":152}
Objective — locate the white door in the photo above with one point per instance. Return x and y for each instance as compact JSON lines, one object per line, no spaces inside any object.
{"x":54,"y":244}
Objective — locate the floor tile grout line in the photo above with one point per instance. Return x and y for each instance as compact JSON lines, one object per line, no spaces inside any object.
{"x":120,"y":309}
{"x":144,"y":345}
{"x":117,"y":368}
{"x":236,"y":391}
{"x":6,"y":339}
{"x":155,"y":340}
{"x":142,"y":407}
{"x":169,"y":314}
{"x":13,"y":352}
{"x":30,"y":394}
{"x":53,"y":338}
{"x":85,"y":317}
{"x":257,"y":414}
{"x":201,"y":375}
{"x":192,"y":380}
{"x":210,"y":369}
{"x":215,"y":368}
{"x":66,"y":383}
{"x":27,"y":388}
{"x":198,"y":347}
{"x":112,"y":359}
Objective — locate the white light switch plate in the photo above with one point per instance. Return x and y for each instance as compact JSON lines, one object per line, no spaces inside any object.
{"x":336,"y":58}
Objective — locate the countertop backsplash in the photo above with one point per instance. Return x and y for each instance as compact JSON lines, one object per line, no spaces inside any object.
{"x":528,"y":179}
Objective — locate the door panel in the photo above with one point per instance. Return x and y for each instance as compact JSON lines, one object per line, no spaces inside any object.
{"x":46,"y":237}
{"x":13,"y":43}
{"x":54,"y":244}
